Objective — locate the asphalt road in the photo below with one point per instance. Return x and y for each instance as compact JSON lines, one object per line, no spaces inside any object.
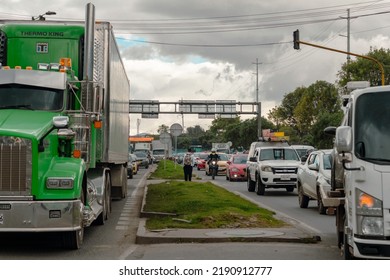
{"x":285,"y":203}
{"x":116,"y":239}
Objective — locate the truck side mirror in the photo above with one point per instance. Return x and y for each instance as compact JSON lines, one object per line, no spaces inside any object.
{"x":253,"y":159}
{"x":343,"y":141}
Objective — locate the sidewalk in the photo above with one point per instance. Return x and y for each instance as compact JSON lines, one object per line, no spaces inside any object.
{"x":290,"y":233}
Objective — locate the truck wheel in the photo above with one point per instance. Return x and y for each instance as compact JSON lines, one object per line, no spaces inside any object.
{"x":250,"y":184}
{"x":347,"y":254}
{"x":106,"y":202}
{"x":320,"y":205}
{"x":302,"y":198}
{"x":260,"y":186}
{"x":74,"y":239}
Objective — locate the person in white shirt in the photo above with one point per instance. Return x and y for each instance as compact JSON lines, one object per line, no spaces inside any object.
{"x":188,"y":163}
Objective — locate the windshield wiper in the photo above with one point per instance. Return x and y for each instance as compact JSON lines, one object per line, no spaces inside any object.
{"x":21,"y":106}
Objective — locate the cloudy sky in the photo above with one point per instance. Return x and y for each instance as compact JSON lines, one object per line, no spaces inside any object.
{"x":207,"y":50}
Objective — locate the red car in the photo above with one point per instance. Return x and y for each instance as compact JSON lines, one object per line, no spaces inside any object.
{"x":201,"y":160}
{"x":236,"y":167}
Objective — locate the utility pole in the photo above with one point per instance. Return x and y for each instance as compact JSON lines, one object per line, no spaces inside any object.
{"x":348,"y":35}
{"x":257,"y":100}
{"x":138,"y":124}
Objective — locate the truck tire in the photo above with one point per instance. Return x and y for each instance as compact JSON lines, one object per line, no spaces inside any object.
{"x":260,"y":190}
{"x":302,"y":198}
{"x":101,"y":219}
{"x":250,"y":184}
{"x":340,"y":221}
{"x":73,"y":240}
{"x":347,"y":254}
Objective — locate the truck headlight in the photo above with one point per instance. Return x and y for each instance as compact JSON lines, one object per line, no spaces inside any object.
{"x":372,"y":225}
{"x":266,"y":168}
{"x":59,"y":183}
{"x":369,"y":214}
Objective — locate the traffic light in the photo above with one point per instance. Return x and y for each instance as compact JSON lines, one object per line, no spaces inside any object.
{"x":296,"y":39}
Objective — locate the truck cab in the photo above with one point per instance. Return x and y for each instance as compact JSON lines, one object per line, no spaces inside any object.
{"x":63,"y":126}
{"x":361,"y":174}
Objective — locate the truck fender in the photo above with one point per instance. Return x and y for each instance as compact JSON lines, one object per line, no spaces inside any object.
{"x":68,"y":167}
{"x":96,"y":183}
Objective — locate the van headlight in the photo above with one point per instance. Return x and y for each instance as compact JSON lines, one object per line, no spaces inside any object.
{"x":59,"y":183}
{"x":369,"y":214}
{"x":266,"y":168}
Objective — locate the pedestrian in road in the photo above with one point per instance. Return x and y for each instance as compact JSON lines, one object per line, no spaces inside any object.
{"x":188,"y":165}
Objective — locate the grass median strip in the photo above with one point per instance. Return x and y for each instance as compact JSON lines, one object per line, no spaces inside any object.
{"x":203,"y":205}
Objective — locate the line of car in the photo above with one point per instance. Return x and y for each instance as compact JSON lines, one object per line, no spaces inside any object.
{"x":279,"y":166}
{"x":137,"y":160}
{"x":233,"y":166}
{"x":269,"y":165}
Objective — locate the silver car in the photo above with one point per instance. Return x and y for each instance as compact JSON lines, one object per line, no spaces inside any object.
{"x":314,"y":179}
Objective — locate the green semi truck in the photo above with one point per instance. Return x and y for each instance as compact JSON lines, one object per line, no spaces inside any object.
{"x":64,"y":125}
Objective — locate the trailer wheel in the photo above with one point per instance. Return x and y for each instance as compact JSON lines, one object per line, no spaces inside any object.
{"x":124,"y":185}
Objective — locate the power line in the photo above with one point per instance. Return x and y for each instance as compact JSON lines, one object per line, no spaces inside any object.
{"x":207,"y":45}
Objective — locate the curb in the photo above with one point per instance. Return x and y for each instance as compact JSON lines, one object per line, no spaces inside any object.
{"x":286,"y":235}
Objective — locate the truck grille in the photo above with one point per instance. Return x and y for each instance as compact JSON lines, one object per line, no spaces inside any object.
{"x":285,"y":170}
{"x":15,"y":166}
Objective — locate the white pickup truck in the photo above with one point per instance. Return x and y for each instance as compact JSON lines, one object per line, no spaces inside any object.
{"x":272,"y":167}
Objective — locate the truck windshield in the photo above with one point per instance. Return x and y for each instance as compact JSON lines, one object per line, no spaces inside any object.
{"x":14,"y":96}
{"x":372,"y":127}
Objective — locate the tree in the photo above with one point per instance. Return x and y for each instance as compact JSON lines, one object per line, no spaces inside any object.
{"x":325,"y":119}
{"x":363,"y":69}
{"x":195,"y":131}
{"x":317,"y":99}
{"x":300,"y":112}
{"x":162,"y":128}
{"x":283,"y":116}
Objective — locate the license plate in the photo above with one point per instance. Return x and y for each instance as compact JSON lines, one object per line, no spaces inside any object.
{"x":284,"y":177}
